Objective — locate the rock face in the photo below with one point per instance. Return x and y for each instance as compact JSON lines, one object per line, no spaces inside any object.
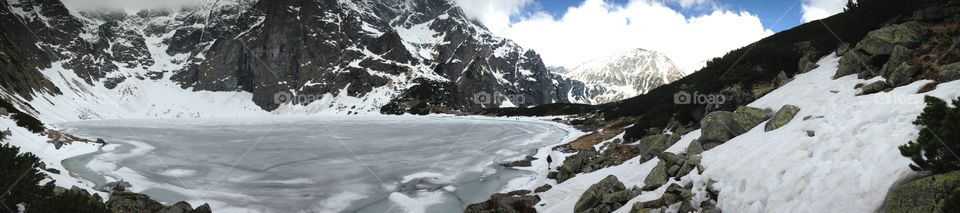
{"x":874,"y":87}
{"x":366,"y":56}
{"x":624,"y":75}
{"x":575,"y":164}
{"x":879,"y":44}
{"x":651,"y":145}
{"x":949,"y":72}
{"x":748,"y":117}
{"x":927,"y":194}
{"x":122,"y":201}
{"x":605,"y":196}
{"x":674,"y":193}
{"x":657,"y":177}
{"x":141,"y":203}
{"x":783,"y":116}
{"x":719,"y":126}
{"x":882,"y":41}
{"x":906,"y":50}
{"x":507,"y":203}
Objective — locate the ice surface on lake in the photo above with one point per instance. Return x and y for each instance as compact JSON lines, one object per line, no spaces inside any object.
{"x":329,"y":164}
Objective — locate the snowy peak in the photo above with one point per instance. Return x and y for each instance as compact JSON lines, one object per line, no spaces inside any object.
{"x":338,"y":56}
{"x":625,"y":74}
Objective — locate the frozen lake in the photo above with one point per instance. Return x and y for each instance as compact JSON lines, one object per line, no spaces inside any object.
{"x":325,"y":164}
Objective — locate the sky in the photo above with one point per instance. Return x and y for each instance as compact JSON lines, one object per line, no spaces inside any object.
{"x":690,"y":32}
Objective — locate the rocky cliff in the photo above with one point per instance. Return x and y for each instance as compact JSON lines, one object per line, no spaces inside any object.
{"x":348,"y":56}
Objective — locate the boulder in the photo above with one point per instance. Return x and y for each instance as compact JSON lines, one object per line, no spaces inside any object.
{"x":621,"y":196}
{"x":576,"y":163}
{"x":902,"y":75}
{"x":543,"y":188}
{"x":657,"y":177}
{"x":842,"y":49}
{"x":593,"y":197}
{"x":506,"y":204}
{"x":673,"y":194}
{"x":899,"y":56}
{"x":782,"y":117}
{"x":923,"y":195}
{"x":782,"y":79}
{"x":205,"y":208}
{"x":748,"y":117}
{"x":883,"y":40}
{"x":4,"y":112}
{"x":806,"y":64}
{"x":670,"y":158}
{"x":179,"y":207}
{"x":719,"y":126}
{"x":949,"y":72}
{"x":694,"y":148}
{"x":651,"y":145}
{"x":874,"y":87}
{"x":852,"y":63}
{"x":132,"y":202}
{"x":897,"y":71}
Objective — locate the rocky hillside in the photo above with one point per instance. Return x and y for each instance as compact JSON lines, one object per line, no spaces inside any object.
{"x":328,"y":55}
{"x":625,"y":74}
{"x":824,"y":117}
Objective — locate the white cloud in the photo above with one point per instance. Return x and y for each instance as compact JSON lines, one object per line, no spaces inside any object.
{"x":597,"y":28}
{"x":819,"y":9}
{"x":495,"y":14}
{"x":693,"y":3}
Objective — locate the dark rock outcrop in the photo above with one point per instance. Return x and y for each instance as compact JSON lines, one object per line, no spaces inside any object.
{"x":783,"y":116}
{"x":605,"y":196}
{"x":874,"y":87}
{"x":505,"y":203}
{"x":927,"y":194}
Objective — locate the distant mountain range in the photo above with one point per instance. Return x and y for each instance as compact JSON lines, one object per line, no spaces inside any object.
{"x":625,"y":74}
{"x":348,"y":57}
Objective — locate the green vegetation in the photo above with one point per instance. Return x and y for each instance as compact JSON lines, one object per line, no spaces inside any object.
{"x":21,"y":176}
{"x":935,"y":148}
{"x":23,"y":119}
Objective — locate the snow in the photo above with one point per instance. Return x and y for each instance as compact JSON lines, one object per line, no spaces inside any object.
{"x":419,"y":39}
{"x":848,"y":166}
{"x":37,"y":144}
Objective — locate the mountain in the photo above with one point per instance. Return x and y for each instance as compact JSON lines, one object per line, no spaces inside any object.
{"x":558,"y":69}
{"x":325,"y":56}
{"x":625,"y":74}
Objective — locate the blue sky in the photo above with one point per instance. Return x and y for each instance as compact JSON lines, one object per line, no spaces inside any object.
{"x":767,"y":10}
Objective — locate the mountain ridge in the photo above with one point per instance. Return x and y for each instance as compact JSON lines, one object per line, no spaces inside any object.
{"x":353,"y":57}
{"x":625,"y":74}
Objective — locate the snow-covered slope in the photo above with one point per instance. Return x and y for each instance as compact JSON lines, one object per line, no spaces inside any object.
{"x":846,"y":166}
{"x":625,"y":74}
{"x":230,"y":58}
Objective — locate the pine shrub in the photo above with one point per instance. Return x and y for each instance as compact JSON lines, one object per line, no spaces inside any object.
{"x":23,"y":119}
{"x":936,"y":149}
{"x":20,"y":176}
